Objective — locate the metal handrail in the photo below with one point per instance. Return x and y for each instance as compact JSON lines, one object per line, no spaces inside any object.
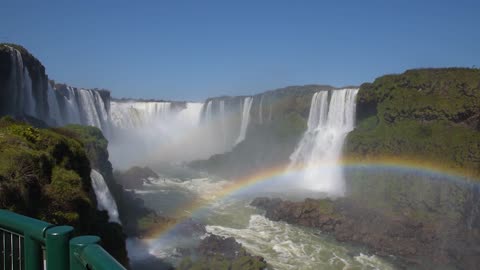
{"x":61,"y":252}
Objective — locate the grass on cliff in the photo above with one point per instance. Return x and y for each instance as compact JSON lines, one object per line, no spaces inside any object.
{"x":45,"y":174}
{"x":428,"y":114}
{"x":49,"y":170}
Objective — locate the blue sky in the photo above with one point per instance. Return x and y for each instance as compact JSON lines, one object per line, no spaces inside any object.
{"x":190,"y":50}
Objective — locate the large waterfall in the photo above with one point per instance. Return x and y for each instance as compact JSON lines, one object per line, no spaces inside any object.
{"x":331,"y":117}
{"x":227,"y":119}
{"x":105,"y":199}
{"x":54,"y":104}
{"x":147,"y":132}
{"x":134,"y":114}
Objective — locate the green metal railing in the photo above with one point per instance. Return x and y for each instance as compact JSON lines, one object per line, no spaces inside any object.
{"x":31,"y":244}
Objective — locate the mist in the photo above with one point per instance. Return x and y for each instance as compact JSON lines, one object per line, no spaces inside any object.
{"x":145,"y":134}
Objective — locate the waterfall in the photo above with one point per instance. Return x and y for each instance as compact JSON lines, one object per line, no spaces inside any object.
{"x":87,"y":105}
{"x":105,"y":199}
{"x":134,"y":114}
{"x":209,"y":111}
{"x":55,"y":105}
{"x":331,"y":117}
{"x":19,"y":88}
{"x":223,"y":123}
{"x":191,"y":113}
{"x":247,"y":105}
{"x":30,"y":105}
{"x":260,"y":111}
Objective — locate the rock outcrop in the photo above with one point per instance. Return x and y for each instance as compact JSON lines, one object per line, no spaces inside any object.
{"x":216,"y":252}
{"x":134,"y":177}
{"x":414,"y":243}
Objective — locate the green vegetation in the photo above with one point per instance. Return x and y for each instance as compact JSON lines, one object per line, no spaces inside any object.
{"x":425,"y":114}
{"x":45,"y":174}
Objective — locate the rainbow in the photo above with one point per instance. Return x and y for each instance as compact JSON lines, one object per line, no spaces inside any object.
{"x":271,"y":174}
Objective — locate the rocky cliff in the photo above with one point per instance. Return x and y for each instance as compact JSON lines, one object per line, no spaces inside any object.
{"x":413,"y":243}
{"x":424,"y":114}
{"x":45,"y":174}
{"x":26,"y":91}
{"x":278,"y":118}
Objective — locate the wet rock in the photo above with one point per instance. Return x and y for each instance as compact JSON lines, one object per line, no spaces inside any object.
{"x":135,"y":177}
{"x":419,"y":244}
{"x":216,"y":252}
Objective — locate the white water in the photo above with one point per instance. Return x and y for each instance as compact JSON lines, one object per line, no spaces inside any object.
{"x":105,"y":199}
{"x":71,"y":106}
{"x":247,"y":105}
{"x":330,"y":119}
{"x":27,"y":88}
{"x":138,"y":131}
{"x":260,"y":111}
{"x":157,"y":132}
{"x":223,"y":123}
{"x":283,"y":246}
{"x":53,"y":107}
{"x":290,"y":247}
{"x":135,"y":114}
{"x":73,"y":112}
{"x":224,"y":120}
{"x":209,"y":111}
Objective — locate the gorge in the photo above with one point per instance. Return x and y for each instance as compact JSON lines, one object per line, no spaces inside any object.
{"x":301,"y":175}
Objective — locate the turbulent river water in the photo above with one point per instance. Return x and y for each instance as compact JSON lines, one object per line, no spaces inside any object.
{"x":284,"y":246}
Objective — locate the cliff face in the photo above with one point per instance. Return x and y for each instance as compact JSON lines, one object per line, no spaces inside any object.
{"x":426,"y":115}
{"x":415,"y":244}
{"x":131,"y":210}
{"x":16,"y":64}
{"x":429,"y":114}
{"x":25,"y":91}
{"x":278,"y":118}
{"x":45,"y":174}
{"x":421,"y":116}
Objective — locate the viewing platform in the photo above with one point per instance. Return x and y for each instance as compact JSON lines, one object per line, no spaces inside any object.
{"x":31,"y":244}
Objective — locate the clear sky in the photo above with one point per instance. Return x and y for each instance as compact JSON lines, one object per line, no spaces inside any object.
{"x":190,"y":50}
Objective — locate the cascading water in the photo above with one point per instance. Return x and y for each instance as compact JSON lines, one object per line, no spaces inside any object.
{"x":153,"y":133}
{"x":247,"y":105}
{"x":54,"y":106}
{"x":209,"y":111}
{"x":105,"y":199}
{"x":223,"y":122}
{"x":134,"y":114}
{"x":221,"y":119}
{"x":331,"y":117}
{"x":72,"y":112}
{"x":260,"y":111}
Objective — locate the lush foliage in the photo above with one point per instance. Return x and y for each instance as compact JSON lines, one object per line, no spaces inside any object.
{"x":426,"y":114}
{"x":45,"y":173}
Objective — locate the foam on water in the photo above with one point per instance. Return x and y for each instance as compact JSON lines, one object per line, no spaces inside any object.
{"x":331,"y":117}
{"x":289,"y":247}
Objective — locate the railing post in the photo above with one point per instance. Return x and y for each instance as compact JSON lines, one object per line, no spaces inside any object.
{"x":57,"y":245}
{"x":33,"y":254}
{"x":77,"y":244}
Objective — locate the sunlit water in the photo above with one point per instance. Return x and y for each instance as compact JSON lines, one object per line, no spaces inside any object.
{"x":284,"y":246}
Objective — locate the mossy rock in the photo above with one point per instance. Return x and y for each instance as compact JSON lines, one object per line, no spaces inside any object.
{"x":427,"y":114}
{"x":45,"y":174}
